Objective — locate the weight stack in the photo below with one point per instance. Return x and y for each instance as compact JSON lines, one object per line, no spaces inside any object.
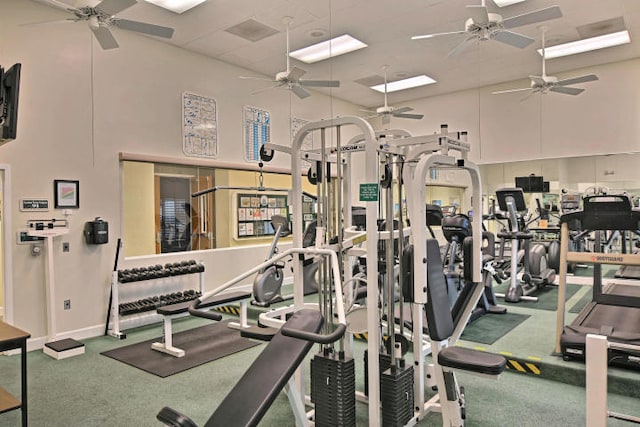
{"x":333,"y":390}
{"x":384,"y":361}
{"x":396,"y":395}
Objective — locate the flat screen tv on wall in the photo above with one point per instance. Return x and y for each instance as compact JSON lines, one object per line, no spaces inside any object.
{"x":9,"y":94}
{"x":530,"y":184}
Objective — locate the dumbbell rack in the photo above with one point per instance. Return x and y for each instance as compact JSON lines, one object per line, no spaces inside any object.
{"x":146,"y":308}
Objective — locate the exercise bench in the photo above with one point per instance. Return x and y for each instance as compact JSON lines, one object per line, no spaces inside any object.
{"x":447,"y":357}
{"x":169,"y":312}
{"x":249,"y":400}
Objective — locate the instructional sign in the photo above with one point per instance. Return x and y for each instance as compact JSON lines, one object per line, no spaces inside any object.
{"x":199,"y":126}
{"x":30,"y":205}
{"x":368,"y":192}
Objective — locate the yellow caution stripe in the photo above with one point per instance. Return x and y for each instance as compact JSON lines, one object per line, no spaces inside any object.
{"x":524,"y":366}
{"x":228,"y":309}
{"x":363,"y":336}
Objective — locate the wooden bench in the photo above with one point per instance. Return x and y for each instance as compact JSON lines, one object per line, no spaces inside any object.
{"x":169,"y":312}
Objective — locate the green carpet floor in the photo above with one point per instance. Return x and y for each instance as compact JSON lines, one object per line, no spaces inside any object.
{"x":490,"y":328}
{"x":92,"y":390}
{"x":547,"y":296}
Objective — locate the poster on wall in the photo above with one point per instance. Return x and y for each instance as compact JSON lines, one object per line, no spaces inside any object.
{"x":257,"y":131}
{"x":254,"y":212}
{"x":199,"y":126}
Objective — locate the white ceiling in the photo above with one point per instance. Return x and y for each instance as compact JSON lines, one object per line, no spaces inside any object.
{"x":386,"y":26}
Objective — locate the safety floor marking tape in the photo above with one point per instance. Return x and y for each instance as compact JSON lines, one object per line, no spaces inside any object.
{"x":229,"y":309}
{"x":523,"y":366}
{"x":529,"y":366}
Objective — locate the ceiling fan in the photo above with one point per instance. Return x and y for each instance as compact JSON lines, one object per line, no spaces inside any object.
{"x":101,"y":20}
{"x":544,"y":83}
{"x":482,"y":26}
{"x":290,"y":78}
{"x":386,"y":111}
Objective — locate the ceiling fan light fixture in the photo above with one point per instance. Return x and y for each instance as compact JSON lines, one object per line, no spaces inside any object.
{"x":411,"y":82}
{"x":587,"y":45}
{"x":503,"y":3}
{"x":328,"y":49}
{"x":177,"y":6}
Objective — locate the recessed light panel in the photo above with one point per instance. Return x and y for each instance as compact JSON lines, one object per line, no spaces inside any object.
{"x":177,"y":6}
{"x":328,"y":49}
{"x":586,"y":45}
{"x":409,"y":83}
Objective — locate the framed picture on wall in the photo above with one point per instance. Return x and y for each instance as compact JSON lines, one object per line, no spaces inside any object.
{"x":66,"y":194}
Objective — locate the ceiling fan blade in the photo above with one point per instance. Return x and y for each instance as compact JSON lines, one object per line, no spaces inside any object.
{"x":532,"y":17}
{"x":264,"y":89}
{"x":408,"y":116}
{"x":386,"y":119}
{"x":479,"y":14}
{"x":104,"y":37}
{"x":55,"y":21}
{"x":295,"y":74}
{"x":567,"y":90}
{"x":576,"y":80}
{"x":58,"y":4}
{"x":299,"y":91}
{"x":111,"y":7}
{"x":513,"y":39}
{"x":498,"y":92}
{"x":428,"y":36}
{"x":462,"y":46}
{"x":320,"y":83}
{"x":255,"y":78}
{"x":401,"y":110}
{"x":143,"y":27}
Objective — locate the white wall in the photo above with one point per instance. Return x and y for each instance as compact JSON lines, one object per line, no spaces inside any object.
{"x":79,"y":107}
{"x":504,"y":128}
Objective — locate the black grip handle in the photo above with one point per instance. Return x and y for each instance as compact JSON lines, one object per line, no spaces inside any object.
{"x":193,"y":310}
{"x":313,"y":337}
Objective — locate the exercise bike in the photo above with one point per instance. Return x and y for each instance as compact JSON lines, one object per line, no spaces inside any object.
{"x":267,"y":285}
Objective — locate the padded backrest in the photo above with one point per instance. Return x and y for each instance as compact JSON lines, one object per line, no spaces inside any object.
{"x":249,"y":400}
{"x":407,"y":271}
{"x":439,"y":318}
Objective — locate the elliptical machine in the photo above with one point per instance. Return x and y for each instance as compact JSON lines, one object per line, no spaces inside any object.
{"x":267,"y":285}
{"x":536,"y":274}
{"x":457,"y":230}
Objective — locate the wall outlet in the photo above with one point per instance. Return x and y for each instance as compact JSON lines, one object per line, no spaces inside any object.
{"x":65,"y":246}
{"x":67,"y":304}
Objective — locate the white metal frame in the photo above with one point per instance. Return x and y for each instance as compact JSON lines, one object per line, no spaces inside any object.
{"x":597,"y":350}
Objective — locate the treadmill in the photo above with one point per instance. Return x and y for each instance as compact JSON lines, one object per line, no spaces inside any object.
{"x":614,"y":311}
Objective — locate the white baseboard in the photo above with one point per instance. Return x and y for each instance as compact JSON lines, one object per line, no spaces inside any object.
{"x":79,"y":334}
{"x":98,"y":330}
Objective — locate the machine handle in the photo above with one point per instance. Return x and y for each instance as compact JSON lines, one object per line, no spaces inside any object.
{"x":317,"y":338}
{"x":193,"y":310}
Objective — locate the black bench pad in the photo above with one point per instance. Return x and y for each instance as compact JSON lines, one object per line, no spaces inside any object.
{"x":183,"y":307}
{"x":472,"y":360}
{"x":258,"y":332}
{"x":249,"y":400}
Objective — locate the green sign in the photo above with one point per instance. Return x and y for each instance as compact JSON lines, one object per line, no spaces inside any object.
{"x":368,"y":192}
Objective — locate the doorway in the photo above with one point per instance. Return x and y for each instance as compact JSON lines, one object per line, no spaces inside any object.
{"x":6,"y":284}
